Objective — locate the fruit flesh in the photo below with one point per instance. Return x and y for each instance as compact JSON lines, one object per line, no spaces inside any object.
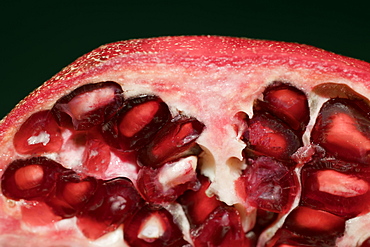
{"x":232,"y":62}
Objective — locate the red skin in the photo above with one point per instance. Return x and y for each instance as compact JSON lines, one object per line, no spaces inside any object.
{"x":177,"y":50}
{"x":210,"y":60}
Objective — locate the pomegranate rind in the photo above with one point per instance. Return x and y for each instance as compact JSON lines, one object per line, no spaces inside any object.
{"x":211,"y":78}
{"x":201,"y":51}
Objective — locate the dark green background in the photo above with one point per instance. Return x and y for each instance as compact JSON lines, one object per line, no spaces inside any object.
{"x":40,"y":38}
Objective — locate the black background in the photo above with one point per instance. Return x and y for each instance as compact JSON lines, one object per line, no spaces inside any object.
{"x":39,"y":38}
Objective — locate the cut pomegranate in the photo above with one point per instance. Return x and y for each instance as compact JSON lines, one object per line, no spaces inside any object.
{"x":191,"y":141}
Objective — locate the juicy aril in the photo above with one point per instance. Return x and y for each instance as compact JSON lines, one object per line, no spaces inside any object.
{"x":191,"y":141}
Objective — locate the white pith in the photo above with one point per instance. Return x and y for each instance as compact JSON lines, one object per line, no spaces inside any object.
{"x":222,"y":160}
{"x":151,"y":229}
{"x":180,"y":172}
{"x":43,"y":137}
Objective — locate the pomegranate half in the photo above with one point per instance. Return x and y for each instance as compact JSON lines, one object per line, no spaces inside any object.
{"x":191,"y":141}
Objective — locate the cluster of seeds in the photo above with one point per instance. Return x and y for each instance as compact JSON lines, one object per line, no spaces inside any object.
{"x":65,"y":157}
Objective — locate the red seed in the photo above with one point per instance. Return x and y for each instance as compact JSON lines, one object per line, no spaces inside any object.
{"x":96,"y":157}
{"x":305,"y":226}
{"x":341,"y":129}
{"x":197,"y":204}
{"x":343,"y":135}
{"x":137,"y":118}
{"x":222,"y":228}
{"x":79,"y":191}
{"x":89,"y":105}
{"x":71,"y":194}
{"x":288,"y":104}
{"x":173,"y":141}
{"x":153,"y":226}
{"x":167,"y":183}
{"x":40,"y":133}
{"x":268,"y":184}
{"x":308,"y":221}
{"x":30,"y":179}
{"x":268,"y":136}
{"x":337,"y":187}
{"x":112,"y":203}
{"x":136,"y":123}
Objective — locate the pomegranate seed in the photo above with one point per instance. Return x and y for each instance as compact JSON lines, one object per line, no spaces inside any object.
{"x":153,"y":227}
{"x":336,"y":187}
{"x":175,"y":140}
{"x":30,"y":179}
{"x":176,"y":173}
{"x":96,"y":157}
{"x":89,"y":105}
{"x":136,"y":119}
{"x":268,"y":136}
{"x":222,"y":228}
{"x":197,"y":204}
{"x":268,"y":184}
{"x":336,"y":90}
{"x":342,"y":129}
{"x":111,"y":204}
{"x":288,"y":104}
{"x":77,"y":192}
{"x":40,"y":133}
{"x":140,"y":120}
{"x":71,"y":194}
{"x":286,"y":238}
{"x":167,"y":183}
{"x":308,"y":227}
{"x":315,"y":223}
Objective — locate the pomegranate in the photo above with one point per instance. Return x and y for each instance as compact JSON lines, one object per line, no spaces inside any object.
{"x":191,"y":141}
